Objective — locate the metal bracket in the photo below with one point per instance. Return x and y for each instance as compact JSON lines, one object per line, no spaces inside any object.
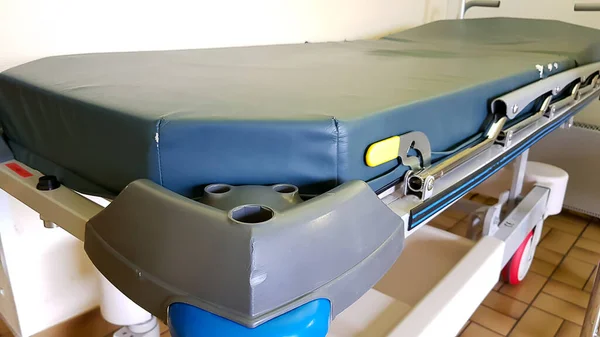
{"x":514,"y":102}
{"x":466,"y":5}
{"x":414,"y":185}
{"x":419,"y":142}
{"x":574,"y":97}
{"x":568,"y":124}
{"x":488,"y":217}
{"x":505,"y":136}
{"x":421,"y":183}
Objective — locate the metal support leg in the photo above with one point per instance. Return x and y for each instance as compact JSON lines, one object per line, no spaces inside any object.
{"x":592,"y":315}
{"x":520,"y":165}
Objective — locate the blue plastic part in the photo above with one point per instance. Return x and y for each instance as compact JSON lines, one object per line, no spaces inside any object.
{"x":310,"y":320}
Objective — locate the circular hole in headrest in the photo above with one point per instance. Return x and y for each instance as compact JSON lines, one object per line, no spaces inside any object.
{"x":252,"y":214}
{"x":217,"y":188}
{"x":285,"y":188}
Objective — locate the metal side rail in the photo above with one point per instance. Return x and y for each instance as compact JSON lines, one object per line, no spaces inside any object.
{"x":592,"y":315}
{"x":454,"y":184}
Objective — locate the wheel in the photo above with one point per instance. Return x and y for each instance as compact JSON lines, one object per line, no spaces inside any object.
{"x":517,"y":267}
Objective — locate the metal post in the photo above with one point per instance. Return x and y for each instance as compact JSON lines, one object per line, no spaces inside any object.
{"x":592,"y":315}
{"x":587,"y":7}
{"x":465,"y":6}
{"x":463,"y":9}
{"x":520,"y":165}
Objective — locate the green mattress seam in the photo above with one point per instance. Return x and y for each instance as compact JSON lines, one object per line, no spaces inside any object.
{"x":337,"y":150}
{"x":158,"y":158}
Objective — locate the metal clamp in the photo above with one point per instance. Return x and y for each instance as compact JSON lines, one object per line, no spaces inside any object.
{"x":421,"y":183}
{"x":419,"y":142}
{"x":396,"y":147}
{"x":505,"y":136}
{"x":574,"y":97}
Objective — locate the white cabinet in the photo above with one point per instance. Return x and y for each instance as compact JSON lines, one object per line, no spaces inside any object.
{"x":45,"y":277}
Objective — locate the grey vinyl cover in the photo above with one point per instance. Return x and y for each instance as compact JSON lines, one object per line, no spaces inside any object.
{"x":301,"y":114}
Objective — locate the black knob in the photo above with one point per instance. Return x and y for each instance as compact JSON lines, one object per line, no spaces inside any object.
{"x":48,"y":183}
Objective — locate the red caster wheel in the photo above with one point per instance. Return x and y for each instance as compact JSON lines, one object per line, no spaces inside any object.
{"x":517,"y":267}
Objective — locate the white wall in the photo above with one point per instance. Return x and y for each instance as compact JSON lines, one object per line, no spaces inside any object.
{"x":36,"y":28}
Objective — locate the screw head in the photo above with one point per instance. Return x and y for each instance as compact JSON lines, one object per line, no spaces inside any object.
{"x":430,"y":184}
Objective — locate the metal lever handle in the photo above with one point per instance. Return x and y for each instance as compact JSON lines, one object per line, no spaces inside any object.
{"x":592,"y":315}
{"x":587,"y":7}
{"x":465,"y":6}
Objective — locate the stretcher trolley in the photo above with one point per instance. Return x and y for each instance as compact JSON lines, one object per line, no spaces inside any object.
{"x":286,"y":190}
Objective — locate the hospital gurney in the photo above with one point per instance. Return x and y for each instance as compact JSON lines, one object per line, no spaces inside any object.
{"x":267,"y":190}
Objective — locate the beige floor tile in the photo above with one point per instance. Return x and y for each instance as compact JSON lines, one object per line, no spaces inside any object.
{"x":562,"y":224}
{"x":591,"y":245}
{"x":526,"y":290}
{"x":4,"y":330}
{"x":567,"y":293}
{"x":590,"y":282}
{"x":460,"y":228}
{"x":592,"y":231}
{"x":584,"y":255}
{"x":545,"y":232}
{"x":560,"y":308}
{"x":491,"y":201}
{"x":505,"y":305}
{"x":548,"y":255}
{"x":536,"y":323}
{"x":498,"y":285}
{"x":573,"y":217}
{"x":90,"y":324}
{"x":476,"y":330}
{"x":463,"y":328}
{"x":493,"y":320}
{"x":479,"y":198}
{"x":569,"y":329}
{"x":542,"y":267}
{"x":558,"y":241}
{"x":163,"y":327}
{"x":455,"y":213}
{"x":443,"y":222}
{"x":573,"y":272}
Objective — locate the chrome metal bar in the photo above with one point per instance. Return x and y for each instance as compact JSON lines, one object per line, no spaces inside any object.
{"x":508,"y":133}
{"x":592,"y":314}
{"x":453,"y":162}
{"x":514,"y":102}
{"x":465,"y":6}
{"x":587,"y":7}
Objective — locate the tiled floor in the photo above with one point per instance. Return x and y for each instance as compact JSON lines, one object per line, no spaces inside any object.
{"x":552,"y":299}
{"x":550,"y":302}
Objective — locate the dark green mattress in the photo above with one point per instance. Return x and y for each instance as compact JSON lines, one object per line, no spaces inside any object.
{"x":301,"y":114}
